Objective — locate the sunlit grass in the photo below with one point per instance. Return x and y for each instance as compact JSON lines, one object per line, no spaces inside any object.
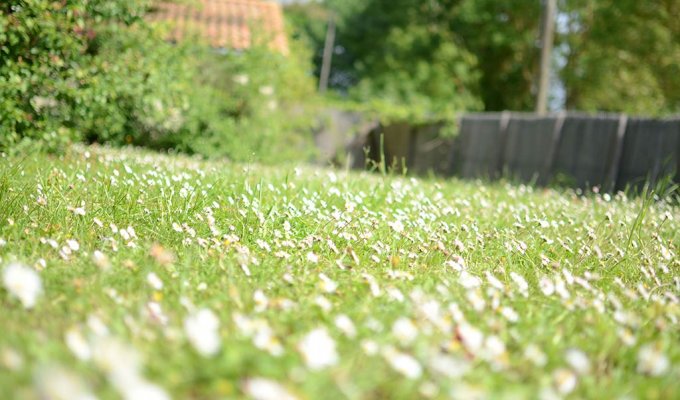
{"x":238,"y":280}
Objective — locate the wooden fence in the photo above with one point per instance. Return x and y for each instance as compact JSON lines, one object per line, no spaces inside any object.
{"x":611,"y":151}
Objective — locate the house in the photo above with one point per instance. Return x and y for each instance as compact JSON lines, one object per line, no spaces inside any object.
{"x":226,"y":25}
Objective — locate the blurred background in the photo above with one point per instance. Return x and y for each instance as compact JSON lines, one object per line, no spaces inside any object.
{"x":266,"y":81}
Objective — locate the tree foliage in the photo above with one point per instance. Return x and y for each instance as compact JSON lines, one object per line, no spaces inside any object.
{"x":622,"y":55}
{"x":403,"y":52}
{"x":470,"y":54}
{"x":433,"y":56}
{"x":503,"y":37}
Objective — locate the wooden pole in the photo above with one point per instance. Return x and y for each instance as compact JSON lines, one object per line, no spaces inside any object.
{"x":327,"y":55}
{"x":547,"y":33}
{"x":617,"y":152}
{"x":546,"y":173}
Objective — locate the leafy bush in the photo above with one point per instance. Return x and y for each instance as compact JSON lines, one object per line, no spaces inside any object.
{"x":48,"y":65}
{"x":96,"y":71}
{"x":253,"y":100}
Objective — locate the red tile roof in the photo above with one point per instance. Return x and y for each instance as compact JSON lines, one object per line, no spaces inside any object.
{"x":229,"y":24}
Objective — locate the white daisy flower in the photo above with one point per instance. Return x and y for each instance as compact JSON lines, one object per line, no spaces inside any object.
{"x":510,"y":314}
{"x":264,"y":339}
{"x":521,"y":283}
{"x":97,"y":326}
{"x":202,"y":330}
{"x":448,"y":366}
{"x":469,"y":281}
{"x":547,"y":286}
{"x":119,"y":361}
{"x":395,"y":294}
{"x":403,"y":363}
{"x":318,"y":349}
{"x":155,"y":313}
{"x":372,"y":283}
{"x":476,"y":300}
{"x":327,"y":284}
{"x":471,"y":337}
{"x":493,"y":281}
{"x":651,"y":361}
{"x":266,"y":389}
{"x":141,"y":389}
{"x":405,"y":331}
{"x":241,"y":79}
{"x":261,"y":301}
{"x":312,"y":258}
{"x":323,"y":303}
{"x":11,"y":359}
{"x":57,"y":383}
{"x":565,"y":381}
{"x":154,"y":281}
{"x":78,"y":345}
{"x":397,"y":225}
{"x":534,"y":354}
{"x":428,"y":389}
{"x":101,"y":260}
{"x":73,"y":244}
{"x":578,"y":361}
{"x":369,"y":347}
{"x":267,"y":90}
{"x":23,"y":283}
{"x":346,"y":326}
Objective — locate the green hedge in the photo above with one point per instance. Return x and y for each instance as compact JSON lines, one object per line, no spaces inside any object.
{"x":95,"y":71}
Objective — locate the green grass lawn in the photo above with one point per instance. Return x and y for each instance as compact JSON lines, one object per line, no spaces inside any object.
{"x":166,"y":277}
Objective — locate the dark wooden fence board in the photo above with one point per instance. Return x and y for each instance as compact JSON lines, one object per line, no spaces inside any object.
{"x":586,"y":149}
{"x":397,"y":145}
{"x":480,"y":139}
{"x":526,"y":151}
{"x":432,"y":151}
{"x":651,"y":150}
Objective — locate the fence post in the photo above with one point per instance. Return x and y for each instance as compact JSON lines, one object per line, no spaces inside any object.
{"x":546,"y":174}
{"x":503,"y":132}
{"x":412,"y":147}
{"x":615,"y":162}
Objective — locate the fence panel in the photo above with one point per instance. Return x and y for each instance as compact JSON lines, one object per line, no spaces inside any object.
{"x":581,"y":150}
{"x":586,"y":149}
{"x":398,"y":145}
{"x":432,"y":151}
{"x":651,"y":150}
{"x":529,"y":138}
{"x":481,"y":142}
